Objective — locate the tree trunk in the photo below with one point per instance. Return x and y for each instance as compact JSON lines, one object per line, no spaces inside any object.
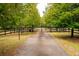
{"x":10,"y":31}
{"x":32,"y":30}
{"x":78,"y":29}
{"x":72,"y":32}
{"x":19,"y":33}
{"x":4,"y":31}
{"x":63,"y":29}
{"x":57,"y":29}
{"x":50,"y":29}
{"x":68,"y":29}
{"x":14,"y":30}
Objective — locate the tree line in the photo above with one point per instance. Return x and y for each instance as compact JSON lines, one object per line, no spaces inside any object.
{"x":62,"y":15}
{"x":18,"y":16}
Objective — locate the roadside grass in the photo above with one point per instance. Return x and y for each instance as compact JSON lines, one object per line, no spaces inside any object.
{"x":70,"y":45}
{"x":10,"y":42}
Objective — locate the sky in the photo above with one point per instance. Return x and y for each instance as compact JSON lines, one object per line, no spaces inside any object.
{"x":41,"y":8}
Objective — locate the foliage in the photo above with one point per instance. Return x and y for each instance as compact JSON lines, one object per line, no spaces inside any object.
{"x":62,"y":15}
{"x":18,"y":15}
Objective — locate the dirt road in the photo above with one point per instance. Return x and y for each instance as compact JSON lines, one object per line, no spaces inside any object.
{"x":40,"y":44}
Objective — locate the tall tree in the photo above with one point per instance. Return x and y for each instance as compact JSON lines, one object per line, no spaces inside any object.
{"x":18,"y":15}
{"x":63,"y":15}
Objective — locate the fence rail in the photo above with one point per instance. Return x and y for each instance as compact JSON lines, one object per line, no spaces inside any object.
{"x":62,"y":30}
{"x":3,"y":32}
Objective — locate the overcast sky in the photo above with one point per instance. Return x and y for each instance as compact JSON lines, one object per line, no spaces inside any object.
{"x":41,"y":7}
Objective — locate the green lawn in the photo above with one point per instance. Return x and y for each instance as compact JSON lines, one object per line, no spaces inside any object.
{"x":70,"y":45}
{"x":9,"y":43}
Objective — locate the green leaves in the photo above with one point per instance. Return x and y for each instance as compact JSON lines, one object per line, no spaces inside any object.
{"x":62,"y":15}
{"x":18,"y":14}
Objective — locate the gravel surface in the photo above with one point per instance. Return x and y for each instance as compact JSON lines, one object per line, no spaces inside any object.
{"x":40,"y":44}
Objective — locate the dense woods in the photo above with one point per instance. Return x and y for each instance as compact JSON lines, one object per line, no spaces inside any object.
{"x":62,"y":15}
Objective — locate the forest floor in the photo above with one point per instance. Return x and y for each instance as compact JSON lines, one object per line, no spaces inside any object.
{"x":40,"y":44}
{"x":70,"y":45}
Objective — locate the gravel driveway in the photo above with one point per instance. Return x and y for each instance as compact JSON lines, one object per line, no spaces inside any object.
{"x":40,"y":44}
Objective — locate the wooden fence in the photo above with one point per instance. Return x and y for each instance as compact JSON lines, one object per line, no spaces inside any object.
{"x":62,"y":30}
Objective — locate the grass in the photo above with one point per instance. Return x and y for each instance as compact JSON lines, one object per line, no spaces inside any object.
{"x":10,"y":42}
{"x":70,"y":45}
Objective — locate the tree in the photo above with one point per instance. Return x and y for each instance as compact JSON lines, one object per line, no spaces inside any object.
{"x":18,"y":16}
{"x":63,"y":15}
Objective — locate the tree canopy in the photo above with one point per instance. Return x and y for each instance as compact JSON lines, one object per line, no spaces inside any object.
{"x":62,"y":15}
{"x":18,"y":14}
